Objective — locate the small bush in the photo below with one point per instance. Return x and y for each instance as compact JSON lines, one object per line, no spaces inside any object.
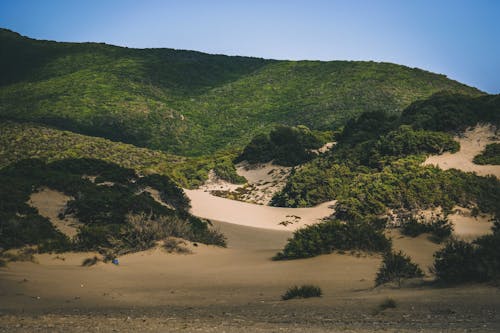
{"x":175,"y":245}
{"x":304,"y":291}
{"x":388,"y":303}
{"x":212,"y":236}
{"x":456,"y":262}
{"x":396,"y":267}
{"x":414,"y":226}
{"x":441,"y":229}
{"x":460,"y":261}
{"x":90,"y":261}
{"x":333,"y":235}
{"x":144,"y":230}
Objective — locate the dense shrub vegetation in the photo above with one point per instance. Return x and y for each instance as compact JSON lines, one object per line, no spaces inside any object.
{"x":333,"y":235}
{"x":20,"y":141}
{"x":478,"y":261}
{"x":452,"y":112}
{"x":376,"y":167}
{"x":117,"y":215}
{"x":304,"y":291}
{"x":490,"y":155}
{"x":396,"y":267}
{"x":192,"y":103}
{"x":287,"y":146}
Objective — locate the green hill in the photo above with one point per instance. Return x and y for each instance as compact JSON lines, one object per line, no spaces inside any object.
{"x":22,"y":141}
{"x":191,"y":103}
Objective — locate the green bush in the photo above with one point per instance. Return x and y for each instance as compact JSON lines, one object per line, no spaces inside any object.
{"x":284,"y":145}
{"x":334,"y":235}
{"x":456,"y":262}
{"x":490,"y":155}
{"x":304,"y":291}
{"x":396,"y":267}
{"x":462,"y":262}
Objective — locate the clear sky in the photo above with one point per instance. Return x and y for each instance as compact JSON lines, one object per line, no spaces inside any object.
{"x":458,"y":38}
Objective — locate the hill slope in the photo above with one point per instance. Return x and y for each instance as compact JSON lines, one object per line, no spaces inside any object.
{"x":193,"y":103}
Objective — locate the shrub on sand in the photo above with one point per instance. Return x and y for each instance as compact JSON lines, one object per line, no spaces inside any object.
{"x":388,"y":303}
{"x":304,"y":291}
{"x":396,"y":267}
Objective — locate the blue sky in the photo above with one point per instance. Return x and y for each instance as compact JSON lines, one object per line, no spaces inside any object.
{"x":458,"y":38}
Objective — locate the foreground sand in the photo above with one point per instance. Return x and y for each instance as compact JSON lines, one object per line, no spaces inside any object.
{"x":234,"y":290}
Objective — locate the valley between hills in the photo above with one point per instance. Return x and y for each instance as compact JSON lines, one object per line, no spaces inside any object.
{"x":171,"y":190}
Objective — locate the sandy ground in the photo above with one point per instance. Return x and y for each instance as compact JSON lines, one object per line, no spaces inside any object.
{"x":471,"y":144}
{"x":263,"y":181}
{"x":236,"y":289}
{"x":211,"y":207}
{"x":49,"y":204}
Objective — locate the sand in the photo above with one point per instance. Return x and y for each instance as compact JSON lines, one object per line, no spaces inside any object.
{"x":236,"y":289}
{"x":211,"y":207}
{"x":471,"y":144}
{"x":263,"y":181}
{"x":50,"y":204}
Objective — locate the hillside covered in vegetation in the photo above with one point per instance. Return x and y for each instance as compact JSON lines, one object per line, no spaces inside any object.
{"x":191,"y":103}
{"x":116,"y":214}
{"x":376,"y":167}
{"x":19,"y":141}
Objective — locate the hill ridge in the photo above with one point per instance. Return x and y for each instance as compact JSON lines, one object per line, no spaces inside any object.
{"x":194,"y":103}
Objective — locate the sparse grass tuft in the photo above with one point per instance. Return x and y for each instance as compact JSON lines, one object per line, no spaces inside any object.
{"x":304,"y":291}
{"x":175,"y":245}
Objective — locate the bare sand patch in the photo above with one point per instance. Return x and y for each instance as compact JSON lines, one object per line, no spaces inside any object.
{"x":263,"y":181}
{"x":211,"y":207}
{"x":472,"y":143}
{"x":50,"y":204}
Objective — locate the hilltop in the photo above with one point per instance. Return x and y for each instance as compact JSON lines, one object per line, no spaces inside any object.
{"x":192,"y":103}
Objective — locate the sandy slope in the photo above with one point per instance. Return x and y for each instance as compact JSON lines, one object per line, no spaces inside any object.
{"x":49,"y":204}
{"x":471,"y":144}
{"x":214,"y":208}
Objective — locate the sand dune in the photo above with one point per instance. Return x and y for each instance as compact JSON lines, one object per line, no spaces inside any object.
{"x":471,"y":144}
{"x":211,"y":207}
